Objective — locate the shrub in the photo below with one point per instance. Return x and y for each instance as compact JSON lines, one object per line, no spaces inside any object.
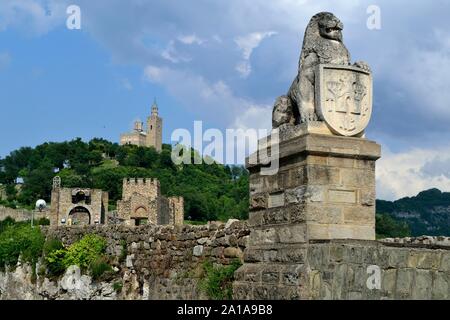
{"x":217,"y":281}
{"x":100,"y":269}
{"x":117,"y":286}
{"x":43,"y":222}
{"x":55,"y":262}
{"x":8,"y":221}
{"x":124,"y":251}
{"x":52,"y":245}
{"x":20,"y":239}
{"x":87,"y":253}
{"x":54,"y":254}
{"x":82,"y":253}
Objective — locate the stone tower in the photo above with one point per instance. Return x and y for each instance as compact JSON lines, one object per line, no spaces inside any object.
{"x":154,"y":129}
{"x":142,"y":203}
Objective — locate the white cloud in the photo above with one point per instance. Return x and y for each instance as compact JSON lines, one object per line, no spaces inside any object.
{"x":211,"y":99}
{"x":247,"y":44}
{"x":32,"y":16}
{"x":408,"y":173}
{"x":171,"y":54}
{"x":254,"y":117}
{"x":190,"y":39}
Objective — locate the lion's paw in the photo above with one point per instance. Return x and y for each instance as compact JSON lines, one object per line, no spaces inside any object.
{"x":309,"y":117}
{"x":363,"y":65}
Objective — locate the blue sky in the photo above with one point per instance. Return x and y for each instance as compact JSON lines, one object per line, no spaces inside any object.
{"x":223,"y":62}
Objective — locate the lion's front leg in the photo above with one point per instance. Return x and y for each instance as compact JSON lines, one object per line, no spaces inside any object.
{"x":307,"y":107}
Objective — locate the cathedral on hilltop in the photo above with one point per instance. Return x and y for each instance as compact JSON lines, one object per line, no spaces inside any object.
{"x":151,"y":137}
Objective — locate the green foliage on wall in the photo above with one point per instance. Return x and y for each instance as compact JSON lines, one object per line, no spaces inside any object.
{"x":217,"y":280}
{"x":19,"y":239}
{"x":87,"y":253}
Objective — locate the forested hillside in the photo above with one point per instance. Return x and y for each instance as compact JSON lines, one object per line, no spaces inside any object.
{"x":428,"y":213}
{"x":211,"y":192}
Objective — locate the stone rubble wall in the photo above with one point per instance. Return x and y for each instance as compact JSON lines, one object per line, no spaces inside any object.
{"x":151,"y":262}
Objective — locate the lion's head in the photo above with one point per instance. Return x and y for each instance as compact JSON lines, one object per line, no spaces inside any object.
{"x":323,"y":25}
{"x":330,"y":26}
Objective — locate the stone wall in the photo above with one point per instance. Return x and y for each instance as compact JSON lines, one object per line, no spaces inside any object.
{"x":166,"y":262}
{"x":152,"y":262}
{"x":343,"y":269}
{"x":21,"y":214}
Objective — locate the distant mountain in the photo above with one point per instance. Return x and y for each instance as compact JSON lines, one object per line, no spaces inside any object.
{"x":428,"y":213}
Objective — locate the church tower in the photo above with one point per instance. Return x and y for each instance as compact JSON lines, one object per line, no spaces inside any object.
{"x":154,"y":129}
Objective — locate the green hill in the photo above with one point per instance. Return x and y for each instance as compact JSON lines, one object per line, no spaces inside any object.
{"x":211,"y":192}
{"x":428,"y":213}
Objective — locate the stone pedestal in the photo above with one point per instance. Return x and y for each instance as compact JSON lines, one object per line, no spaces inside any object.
{"x":324,"y":189}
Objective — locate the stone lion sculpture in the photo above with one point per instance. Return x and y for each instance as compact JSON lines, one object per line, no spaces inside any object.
{"x":322,"y":44}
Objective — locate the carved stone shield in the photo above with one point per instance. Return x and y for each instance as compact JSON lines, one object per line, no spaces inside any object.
{"x":344,"y":98}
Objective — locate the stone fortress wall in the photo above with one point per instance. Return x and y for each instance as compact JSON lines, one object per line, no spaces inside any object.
{"x":22,"y":214}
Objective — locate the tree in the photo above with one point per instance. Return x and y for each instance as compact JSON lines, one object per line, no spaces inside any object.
{"x":388,"y":227}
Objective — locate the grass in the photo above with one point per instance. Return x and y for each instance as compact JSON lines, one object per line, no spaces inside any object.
{"x":218,"y":280}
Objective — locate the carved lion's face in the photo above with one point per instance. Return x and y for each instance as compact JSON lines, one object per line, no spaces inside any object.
{"x":331,"y":27}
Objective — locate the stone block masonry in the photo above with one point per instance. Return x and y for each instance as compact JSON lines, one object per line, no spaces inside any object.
{"x":324,"y":189}
{"x":347,"y":270}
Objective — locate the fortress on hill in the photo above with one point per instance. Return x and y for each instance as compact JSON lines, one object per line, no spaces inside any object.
{"x":142,"y":201}
{"x":149,"y":137}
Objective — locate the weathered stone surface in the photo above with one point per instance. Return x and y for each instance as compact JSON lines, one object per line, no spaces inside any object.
{"x":422,"y":287}
{"x":197,"y":251}
{"x":441,"y":286}
{"x":258,"y":202}
{"x":292,"y":234}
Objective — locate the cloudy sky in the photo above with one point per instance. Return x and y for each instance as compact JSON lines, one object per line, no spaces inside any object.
{"x":222,"y":62}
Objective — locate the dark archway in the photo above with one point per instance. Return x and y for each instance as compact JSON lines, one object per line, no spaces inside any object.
{"x":80,"y":216}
